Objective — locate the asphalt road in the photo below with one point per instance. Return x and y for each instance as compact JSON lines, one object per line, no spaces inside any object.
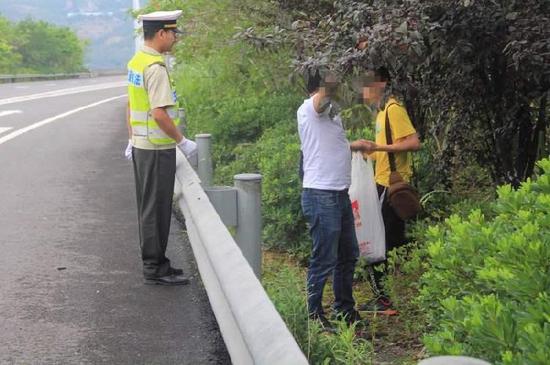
{"x":71,"y":289}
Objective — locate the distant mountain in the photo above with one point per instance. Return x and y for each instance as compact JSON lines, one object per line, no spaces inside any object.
{"x":105,"y":23}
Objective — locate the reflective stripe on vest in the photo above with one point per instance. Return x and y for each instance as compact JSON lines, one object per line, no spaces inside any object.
{"x":141,"y":120}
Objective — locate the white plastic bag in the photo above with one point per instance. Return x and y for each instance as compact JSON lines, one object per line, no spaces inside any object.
{"x":367,"y":210}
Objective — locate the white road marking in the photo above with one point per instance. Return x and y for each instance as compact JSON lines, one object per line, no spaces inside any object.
{"x":4,"y":129}
{"x":9,"y":112}
{"x":44,"y":122}
{"x":61,"y":92}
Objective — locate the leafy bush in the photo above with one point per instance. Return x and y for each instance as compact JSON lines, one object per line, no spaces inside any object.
{"x":486,"y":286}
{"x":286,"y":288}
{"x":9,"y":58}
{"x":232,"y":95}
{"x":31,"y":46}
{"x":284,"y":223}
{"x":275,"y":155}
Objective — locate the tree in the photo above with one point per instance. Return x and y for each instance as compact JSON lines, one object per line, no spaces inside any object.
{"x":8,"y":57}
{"x":474,"y":73}
{"x":46,"y":48}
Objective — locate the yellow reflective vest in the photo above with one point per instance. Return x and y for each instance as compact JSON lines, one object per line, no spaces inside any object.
{"x":141,"y":120}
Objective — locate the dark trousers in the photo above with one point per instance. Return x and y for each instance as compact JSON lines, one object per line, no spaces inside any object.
{"x":395,"y":237}
{"x":334,"y":248}
{"x":154,"y":172}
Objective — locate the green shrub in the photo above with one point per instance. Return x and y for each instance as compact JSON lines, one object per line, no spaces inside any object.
{"x":486,"y":288}
{"x":275,"y":155}
{"x":407,"y":264}
{"x":284,"y":223}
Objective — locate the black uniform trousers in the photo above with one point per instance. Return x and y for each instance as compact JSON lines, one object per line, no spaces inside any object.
{"x":395,"y":237}
{"x":154,"y":172}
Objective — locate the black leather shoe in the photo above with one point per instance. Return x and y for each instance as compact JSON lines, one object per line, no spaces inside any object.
{"x":169,"y":280}
{"x":175,"y":271}
{"x":324,"y":323}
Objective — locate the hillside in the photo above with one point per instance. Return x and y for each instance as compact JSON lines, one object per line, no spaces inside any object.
{"x":106,"y":24}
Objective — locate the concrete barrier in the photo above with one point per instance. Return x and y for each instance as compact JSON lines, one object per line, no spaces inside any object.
{"x":36,"y":77}
{"x":253,"y":330}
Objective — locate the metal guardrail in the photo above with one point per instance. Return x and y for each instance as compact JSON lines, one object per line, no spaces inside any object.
{"x":252,"y":329}
{"x":238,"y":206}
{"x":4,"y":79}
{"x":34,"y":77}
{"x":453,"y":360}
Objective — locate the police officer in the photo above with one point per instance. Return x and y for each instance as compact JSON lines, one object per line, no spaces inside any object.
{"x":154,"y":136}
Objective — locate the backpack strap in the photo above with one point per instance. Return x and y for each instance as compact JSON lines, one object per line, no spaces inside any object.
{"x":389,"y":140}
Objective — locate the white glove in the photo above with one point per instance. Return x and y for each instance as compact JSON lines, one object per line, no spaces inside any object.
{"x":188,"y":147}
{"x":128,"y":151}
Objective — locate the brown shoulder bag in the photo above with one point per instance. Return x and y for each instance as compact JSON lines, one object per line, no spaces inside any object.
{"x":403,"y":198}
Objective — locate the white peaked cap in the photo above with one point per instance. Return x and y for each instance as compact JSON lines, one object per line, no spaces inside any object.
{"x":159,"y":16}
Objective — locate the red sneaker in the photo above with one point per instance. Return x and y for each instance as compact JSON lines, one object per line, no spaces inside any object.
{"x":380,"y":305}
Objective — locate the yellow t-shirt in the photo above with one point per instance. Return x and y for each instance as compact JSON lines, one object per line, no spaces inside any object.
{"x":401,"y":126}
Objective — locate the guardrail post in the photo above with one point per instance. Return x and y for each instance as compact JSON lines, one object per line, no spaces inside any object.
{"x":204,"y":169}
{"x":249,"y":219}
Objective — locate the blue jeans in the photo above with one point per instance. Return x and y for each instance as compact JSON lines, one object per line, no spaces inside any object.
{"x":334,"y":249}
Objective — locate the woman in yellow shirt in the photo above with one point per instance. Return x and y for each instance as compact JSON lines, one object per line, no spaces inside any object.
{"x":405,"y":140}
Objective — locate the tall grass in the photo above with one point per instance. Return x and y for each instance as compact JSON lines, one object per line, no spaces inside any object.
{"x":285,"y":286}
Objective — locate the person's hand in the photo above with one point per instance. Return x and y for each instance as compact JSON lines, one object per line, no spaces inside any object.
{"x":128,"y":150}
{"x":369,"y":146}
{"x":188,"y":147}
{"x":357,"y":145}
{"x":364,"y":146}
